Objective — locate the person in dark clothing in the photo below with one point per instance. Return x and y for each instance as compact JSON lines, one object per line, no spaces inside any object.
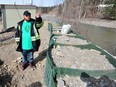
{"x":28,"y":38}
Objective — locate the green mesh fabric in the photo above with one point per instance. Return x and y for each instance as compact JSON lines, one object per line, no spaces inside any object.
{"x":52,"y":71}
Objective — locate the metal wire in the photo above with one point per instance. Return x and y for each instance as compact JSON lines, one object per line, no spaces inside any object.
{"x":17,"y":11}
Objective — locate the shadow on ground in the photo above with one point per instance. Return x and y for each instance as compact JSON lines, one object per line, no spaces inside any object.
{"x":5,"y":76}
{"x":41,"y":56}
{"x":1,"y":62}
{"x":103,"y":81}
{"x":5,"y":80}
{"x":36,"y":84}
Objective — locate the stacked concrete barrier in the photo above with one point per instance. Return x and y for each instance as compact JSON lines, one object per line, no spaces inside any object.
{"x":87,"y":58}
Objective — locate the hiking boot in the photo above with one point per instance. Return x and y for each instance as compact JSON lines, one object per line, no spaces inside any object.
{"x":31,"y":64}
{"x":23,"y":66}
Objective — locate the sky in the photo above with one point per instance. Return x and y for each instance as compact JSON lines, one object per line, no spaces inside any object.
{"x":35,"y":2}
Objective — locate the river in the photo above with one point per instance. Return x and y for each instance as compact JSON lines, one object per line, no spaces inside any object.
{"x":102,"y":36}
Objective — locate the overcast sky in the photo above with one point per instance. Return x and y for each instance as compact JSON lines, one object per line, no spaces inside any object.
{"x":35,"y":2}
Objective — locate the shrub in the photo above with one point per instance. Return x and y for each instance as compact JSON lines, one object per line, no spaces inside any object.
{"x":110,"y":11}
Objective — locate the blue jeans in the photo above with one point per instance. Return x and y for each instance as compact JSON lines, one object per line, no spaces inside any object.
{"x":27,"y":56}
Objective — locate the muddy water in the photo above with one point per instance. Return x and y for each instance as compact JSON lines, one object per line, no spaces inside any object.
{"x":101,"y":36}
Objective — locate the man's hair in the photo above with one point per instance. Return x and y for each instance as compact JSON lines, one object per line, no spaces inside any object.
{"x":27,"y":13}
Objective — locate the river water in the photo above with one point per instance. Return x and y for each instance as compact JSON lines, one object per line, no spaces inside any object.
{"x":101,"y":36}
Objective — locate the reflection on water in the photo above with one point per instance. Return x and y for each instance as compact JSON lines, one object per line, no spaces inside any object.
{"x":101,"y":36}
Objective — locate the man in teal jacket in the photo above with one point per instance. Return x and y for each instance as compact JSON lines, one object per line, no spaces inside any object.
{"x":27,"y":37}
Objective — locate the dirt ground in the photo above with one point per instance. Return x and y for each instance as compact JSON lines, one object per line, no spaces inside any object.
{"x":11,"y":59}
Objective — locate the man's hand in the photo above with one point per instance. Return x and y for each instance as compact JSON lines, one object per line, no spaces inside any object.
{"x":38,"y":15}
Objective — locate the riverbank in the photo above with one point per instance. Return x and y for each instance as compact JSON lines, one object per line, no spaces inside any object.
{"x":100,"y":32}
{"x":91,"y":21}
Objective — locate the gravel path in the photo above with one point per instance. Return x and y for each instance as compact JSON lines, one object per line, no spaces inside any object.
{"x":70,"y":40}
{"x":72,"y":57}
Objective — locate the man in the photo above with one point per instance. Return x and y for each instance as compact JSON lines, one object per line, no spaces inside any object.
{"x":27,"y":37}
